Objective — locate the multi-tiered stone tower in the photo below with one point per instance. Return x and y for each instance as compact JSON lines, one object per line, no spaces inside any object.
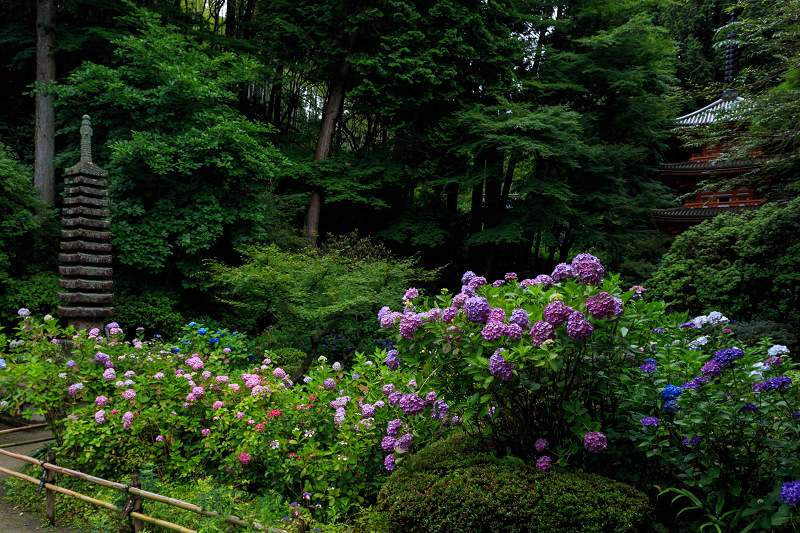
{"x":85,"y":268}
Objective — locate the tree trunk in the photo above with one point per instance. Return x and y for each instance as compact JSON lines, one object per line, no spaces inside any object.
{"x":330,"y":116}
{"x":44,"y":175}
{"x":230,"y":20}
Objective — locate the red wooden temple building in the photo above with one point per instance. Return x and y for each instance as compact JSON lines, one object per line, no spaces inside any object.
{"x":685,"y":177}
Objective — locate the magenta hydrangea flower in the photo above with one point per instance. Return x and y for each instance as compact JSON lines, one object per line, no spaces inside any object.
{"x":499,"y":367}
{"x":129,"y":394}
{"x":595,"y":442}
{"x":557,"y":312}
{"x":411,"y":404}
{"x":160,"y":438}
{"x":578,"y":328}
{"x":218,"y":404}
{"x":389,"y":462}
{"x":367,"y":410}
{"x":477,"y":309}
{"x":603,"y":306}
{"x":588,"y":269}
{"x":562,"y":271}
{"x":100,"y":416}
{"x":279,"y":373}
{"x":244,"y":457}
{"x":205,"y":431}
{"x":544,"y":463}
{"x":542,"y":331}
{"x":541,"y":445}
{"x":101,"y":401}
{"x":409,"y":324}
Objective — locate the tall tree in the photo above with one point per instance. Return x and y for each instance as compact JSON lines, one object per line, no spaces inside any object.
{"x":44,"y":170}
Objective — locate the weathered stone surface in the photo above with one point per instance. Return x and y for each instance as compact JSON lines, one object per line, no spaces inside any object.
{"x":86,"y":245}
{"x":92,"y":272}
{"x":85,"y":298}
{"x":86,"y":312}
{"x":87,"y":168}
{"x":85,"y":234}
{"x":91,"y":191}
{"x":85,"y":180}
{"x":85,"y":258}
{"x":85,"y":200}
{"x":83,"y":210}
{"x":86,"y":284}
{"x":87,"y":222}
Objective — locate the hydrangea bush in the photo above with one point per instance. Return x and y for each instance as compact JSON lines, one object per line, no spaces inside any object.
{"x":527,"y":359}
{"x":185,"y":409}
{"x":724,"y":419}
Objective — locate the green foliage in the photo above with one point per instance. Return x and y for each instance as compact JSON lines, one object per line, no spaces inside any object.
{"x":190,"y":175}
{"x":482,"y":493}
{"x":18,"y":222}
{"x":157,"y":308}
{"x":310,"y":294}
{"x":37,"y":292}
{"x":743,"y":265}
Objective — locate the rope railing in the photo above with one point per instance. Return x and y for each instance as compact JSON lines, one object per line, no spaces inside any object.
{"x":136,"y":494}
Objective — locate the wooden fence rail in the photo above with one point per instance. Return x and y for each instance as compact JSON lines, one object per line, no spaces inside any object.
{"x":134,"y":505}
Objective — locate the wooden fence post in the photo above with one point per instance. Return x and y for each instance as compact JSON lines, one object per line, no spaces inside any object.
{"x":50,"y":495}
{"x":138,"y":524}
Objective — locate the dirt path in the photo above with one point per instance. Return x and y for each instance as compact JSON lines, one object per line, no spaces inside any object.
{"x":13,"y":519}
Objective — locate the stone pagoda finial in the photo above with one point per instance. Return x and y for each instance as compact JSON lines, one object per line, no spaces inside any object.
{"x":86,"y":139}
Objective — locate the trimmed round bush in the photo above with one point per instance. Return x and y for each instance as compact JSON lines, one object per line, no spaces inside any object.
{"x":480,"y":493}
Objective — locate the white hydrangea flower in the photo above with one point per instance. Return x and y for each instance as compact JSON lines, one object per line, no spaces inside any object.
{"x":777,"y":350}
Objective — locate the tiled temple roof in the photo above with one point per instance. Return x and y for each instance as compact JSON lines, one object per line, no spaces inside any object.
{"x":713,"y":112}
{"x":699,"y":213}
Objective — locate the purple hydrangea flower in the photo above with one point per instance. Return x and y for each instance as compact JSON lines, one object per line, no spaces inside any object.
{"x":769,"y":384}
{"x":541,"y":445}
{"x":648,"y":368}
{"x":459,"y":300}
{"x":127,"y":417}
{"x":728,"y":355}
{"x":499,"y":367}
{"x":595,"y":442}
{"x":405,"y":441}
{"x":367,"y":410}
{"x":749,"y":408}
{"x":790,"y":493}
{"x":514,"y":332}
{"x":388,"y":389}
{"x":392,"y":360}
{"x":409,"y":324}
{"x":510,"y":275}
{"x":389,"y":462}
{"x":650,"y":421}
{"x":468,"y":275}
{"x":557,"y":312}
{"x":393,"y":427}
{"x":603,"y":306}
{"x":562,"y":271}
{"x":542,"y":331}
{"x":712,"y":369}
{"x":773,"y":361}
{"x":477,"y":309}
{"x":394,"y":398}
{"x":694,"y":441}
{"x":476,"y":282}
{"x":434,"y":314}
{"x":411,"y":404}
{"x":338,"y":417}
{"x":493,"y":331}
{"x":588,"y":269}
{"x":389,"y":443}
{"x":329,"y":383}
{"x":129,"y":394}
{"x":578,"y":328}
{"x":449,"y":314}
{"x":100,"y":416}
{"x":497,"y":314}
{"x":430,"y":397}
{"x":101,"y":401}
{"x":544,"y":463}
{"x":498,"y":283}
{"x":689,"y":324}
{"x":520,"y":318}
{"x":410,"y":294}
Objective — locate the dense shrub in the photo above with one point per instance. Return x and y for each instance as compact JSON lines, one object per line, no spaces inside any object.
{"x":443,"y":490}
{"x":156,"y":308}
{"x":37,"y":292}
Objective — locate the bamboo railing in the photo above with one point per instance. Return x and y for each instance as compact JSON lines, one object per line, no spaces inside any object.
{"x":132,"y":508}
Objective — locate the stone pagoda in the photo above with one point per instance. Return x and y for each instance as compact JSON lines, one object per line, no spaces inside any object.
{"x":85,"y":258}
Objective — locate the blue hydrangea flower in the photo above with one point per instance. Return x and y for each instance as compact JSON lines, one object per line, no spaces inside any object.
{"x":201,"y":331}
{"x":670,"y":392}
